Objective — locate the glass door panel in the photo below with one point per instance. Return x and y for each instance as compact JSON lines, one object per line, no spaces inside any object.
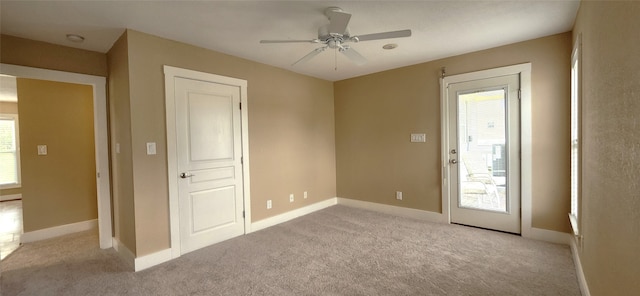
{"x":482,"y":136}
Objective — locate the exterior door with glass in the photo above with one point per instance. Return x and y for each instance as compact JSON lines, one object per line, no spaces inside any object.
{"x":484,"y":153}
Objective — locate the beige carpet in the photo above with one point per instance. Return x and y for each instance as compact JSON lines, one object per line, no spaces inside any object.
{"x":336,"y":251}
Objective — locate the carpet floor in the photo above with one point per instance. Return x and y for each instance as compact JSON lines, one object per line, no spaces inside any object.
{"x":335,"y":251}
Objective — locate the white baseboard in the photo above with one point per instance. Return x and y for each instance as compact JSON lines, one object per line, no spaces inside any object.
{"x":56,"y":231}
{"x":394,"y":210}
{"x":10,"y":197}
{"x":275,"y":220}
{"x":582,"y":281}
{"x":144,"y":262}
{"x":125,"y":254}
{"x":547,"y":235}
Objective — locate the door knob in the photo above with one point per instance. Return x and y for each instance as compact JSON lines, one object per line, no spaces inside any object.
{"x":186,"y":175}
{"x":453,"y":161}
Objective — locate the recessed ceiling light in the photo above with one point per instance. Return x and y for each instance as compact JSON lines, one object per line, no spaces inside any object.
{"x":390,"y":46}
{"x":75,"y":38}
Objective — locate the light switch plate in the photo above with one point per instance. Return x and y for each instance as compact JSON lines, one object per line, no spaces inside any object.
{"x":42,"y":149}
{"x":418,"y":138}
{"x":151,"y":148}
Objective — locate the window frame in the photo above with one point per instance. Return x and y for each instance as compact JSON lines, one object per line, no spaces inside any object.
{"x":576,"y":139}
{"x":16,"y":120}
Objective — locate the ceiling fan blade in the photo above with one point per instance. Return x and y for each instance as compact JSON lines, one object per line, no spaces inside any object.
{"x":383,"y":35}
{"x":354,"y":56}
{"x":310,"y":55}
{"x":290,"y":41}
{"x":338,"y":22}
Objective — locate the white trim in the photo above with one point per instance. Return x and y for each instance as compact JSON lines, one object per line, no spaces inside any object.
{"x":174,"y":218}
{"x":394,"y":210}
{"x":124,"y":253}
{"x":444,"y":157}
{"x":582,"y":281}
{"x":10,"y":197}
{"x":526,"y":150}
{"x":275,"y":220}
{"x":103,"y":182}
{"x":57,"y":231}
{"x":144,"y":262}
{"x":525,"y":136}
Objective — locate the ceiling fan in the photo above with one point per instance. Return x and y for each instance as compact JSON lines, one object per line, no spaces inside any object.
{"x":336,"y":34}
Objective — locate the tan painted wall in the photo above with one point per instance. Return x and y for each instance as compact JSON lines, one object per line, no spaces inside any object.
{"x":291,"y":133}
{"x":375,"y":115}
{"x":120,"y":129}
{"x":60,"y":187}
{"x":610,"y":145}
{"x":30,"y":53}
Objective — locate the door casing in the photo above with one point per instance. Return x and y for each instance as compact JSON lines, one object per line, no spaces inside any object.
{"x":101,"y":138}
{"x":524,"y":70}
{"x":170,"y":74}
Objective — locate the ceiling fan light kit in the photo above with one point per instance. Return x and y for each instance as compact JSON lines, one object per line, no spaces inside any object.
{"x":336,"y":34}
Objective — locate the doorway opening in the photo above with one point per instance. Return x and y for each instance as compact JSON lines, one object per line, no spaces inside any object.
{"x":486,"y":149}
{"x":102,"y":180}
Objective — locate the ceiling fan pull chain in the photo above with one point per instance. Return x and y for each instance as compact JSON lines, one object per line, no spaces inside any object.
{"x":335,"y":55}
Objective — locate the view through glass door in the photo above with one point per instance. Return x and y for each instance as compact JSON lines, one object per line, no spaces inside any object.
{"x":484,"y":153}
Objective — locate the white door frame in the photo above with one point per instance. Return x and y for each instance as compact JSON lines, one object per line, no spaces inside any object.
{"x":170,"y":73}
{"x":525,"y":136}
{"x":103,"y":179}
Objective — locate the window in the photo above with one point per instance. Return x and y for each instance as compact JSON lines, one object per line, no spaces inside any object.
{"x":574,"y":216}
{"x":9,"y":151}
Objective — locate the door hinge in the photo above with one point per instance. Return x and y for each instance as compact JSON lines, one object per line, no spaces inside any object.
{"x":519,"y":94}
{"x":241,"y":159}
{"x":242,"y":214}
{"x":240,"y":106}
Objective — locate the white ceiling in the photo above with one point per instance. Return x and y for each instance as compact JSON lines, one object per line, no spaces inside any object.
{"x":440,"y":28}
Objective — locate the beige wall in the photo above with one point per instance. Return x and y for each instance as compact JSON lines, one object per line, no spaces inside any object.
{"x":375,"y":115}
{"x":120,"y":135}
{"x":60,"y":187}
{"x":610,"y":145}
{"x":30,"y":53}
{"x":291,"y":133}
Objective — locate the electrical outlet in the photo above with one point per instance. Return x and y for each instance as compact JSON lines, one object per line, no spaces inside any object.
{"x":291,"y":197}
{"x":305,"y":195}
{"x":268,"y":204}
{"x":399,"y":195}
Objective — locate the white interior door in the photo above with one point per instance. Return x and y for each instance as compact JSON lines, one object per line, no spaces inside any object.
{"x":484,"y":153}
{"x":209,"y":164}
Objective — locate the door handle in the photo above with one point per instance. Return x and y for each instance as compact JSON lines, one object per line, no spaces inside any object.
{"x":186,"y":175}
{"x":453,"y":161}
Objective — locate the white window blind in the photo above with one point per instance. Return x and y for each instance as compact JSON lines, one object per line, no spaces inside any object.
{"x":9,"y":151}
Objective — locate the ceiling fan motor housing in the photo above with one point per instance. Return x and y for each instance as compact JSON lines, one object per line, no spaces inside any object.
{"x":325,"y":36}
